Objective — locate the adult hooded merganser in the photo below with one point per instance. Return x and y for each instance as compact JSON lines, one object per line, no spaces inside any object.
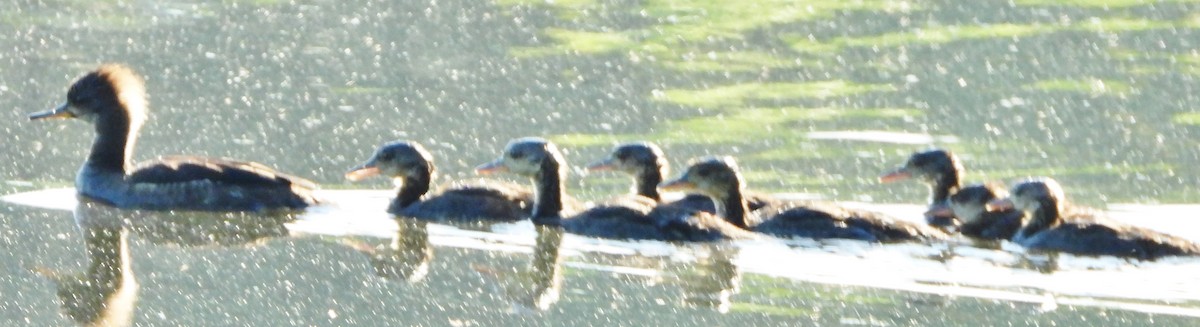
{"x":719,"y":178}
{"x":629,"y":219}
{"x":940,"y":169}
{"x":1042,"y":199}
{"x":969,"y":205}
{"x":648,"y":165}
{"x":411,"y":166}
{"x":113,"y":99}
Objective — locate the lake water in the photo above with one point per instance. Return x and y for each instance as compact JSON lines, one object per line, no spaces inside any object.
{"x":815,"y":98}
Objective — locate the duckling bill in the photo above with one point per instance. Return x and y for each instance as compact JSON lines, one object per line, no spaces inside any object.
{"x":113,"y":99}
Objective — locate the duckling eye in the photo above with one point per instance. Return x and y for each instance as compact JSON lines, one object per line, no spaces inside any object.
{"x":516,"y":155}
{"x":386,"y":156}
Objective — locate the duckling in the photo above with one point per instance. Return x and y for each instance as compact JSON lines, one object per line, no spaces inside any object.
{"x":969,"y":205}
{"x":634,"y":218}
{"x":648,"y":165}
{"x":939,"y":168}
{"x":1047,"y":230}
{"x":720,"y":179}
{"x":411,"y":166}
{"x":113,"y":99}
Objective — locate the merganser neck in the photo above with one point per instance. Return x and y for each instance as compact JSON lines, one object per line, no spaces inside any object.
{"x":732,"y":206}
{"x":647,"y":184}
{"x":412,"y":187}
{"x":945,"y":185}
{"x":549,"y":190}
{"x":1046,"y":216}
{"x":112,"y":148}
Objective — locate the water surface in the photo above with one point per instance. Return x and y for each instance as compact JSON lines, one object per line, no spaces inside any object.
{"x":814,"y":97}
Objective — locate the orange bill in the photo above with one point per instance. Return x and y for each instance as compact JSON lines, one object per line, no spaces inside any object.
{"x":677,"y":185}
{"x":940,"y":211}
{"x":493,"y":167}
{"x":898,"y":175}
{"x":361,"y":173}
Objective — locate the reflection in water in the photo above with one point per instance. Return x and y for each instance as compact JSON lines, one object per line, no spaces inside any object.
{"x":538,"y":288}
{"x":197,"y":228}
{"x":713,"y":281}
{"x":106,"y":293}
{"x":407,"y":257}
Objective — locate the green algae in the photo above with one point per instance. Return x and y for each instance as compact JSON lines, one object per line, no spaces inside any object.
{"x":740,"y":94}
{"x":575,"y":43}
{"x":1091,"y":86}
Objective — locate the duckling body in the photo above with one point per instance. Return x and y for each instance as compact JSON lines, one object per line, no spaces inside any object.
{"x":112,"y":98}
{"x":1042,"y":199}
{"x":411,"y":166}
{"x":646,"y":220}
{"x":485,"y":201}
{"x":720,"y":179}
{"x":634,"y":217}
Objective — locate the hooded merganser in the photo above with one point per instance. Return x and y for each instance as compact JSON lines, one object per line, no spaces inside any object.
{"x":631,"y":218}
{"x":113,"y":99}
{"x":1043,"y":200}
{"x":940,"y":169}
{"x":412,"y":168}
{"x":969,"y":205}
{"x":719,"y":179}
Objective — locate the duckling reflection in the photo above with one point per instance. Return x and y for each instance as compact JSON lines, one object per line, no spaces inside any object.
{"x":106,"y":293}
{"x":713,"y":281}
{"x":407,"y":257}
{"x":538,"y":288}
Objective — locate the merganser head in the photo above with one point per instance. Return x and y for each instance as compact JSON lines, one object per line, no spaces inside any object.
{"x":929,"y":166}
{"x":712,"y":176}
{"x":1030,"y":195}
{"x":527,"y":156}
{"x":112,"y":89}
{"x":635,"y":159}
{"x":399,"y":159}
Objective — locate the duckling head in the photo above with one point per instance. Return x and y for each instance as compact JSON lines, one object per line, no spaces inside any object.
{"x":928,"y":166}
{"x":969,"y":203}
{"x":636,"y":159}
{"x":400,"y":159}
{"x":529,"y":156}
{"x":715,"y":177}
